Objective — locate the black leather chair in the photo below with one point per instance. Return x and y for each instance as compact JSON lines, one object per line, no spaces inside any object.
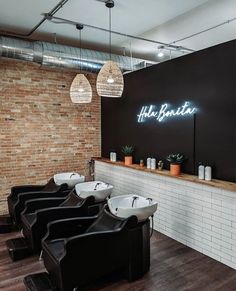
{"x":96,"y":248}
{"x":34,"y":223}
{"x":20,"y":194}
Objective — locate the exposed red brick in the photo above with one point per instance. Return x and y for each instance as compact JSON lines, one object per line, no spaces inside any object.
{"x":41,"y":131}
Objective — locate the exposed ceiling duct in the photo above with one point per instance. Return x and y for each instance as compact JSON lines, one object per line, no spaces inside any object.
{"x":61,"y":56}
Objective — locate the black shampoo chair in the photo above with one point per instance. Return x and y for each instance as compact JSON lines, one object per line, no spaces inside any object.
{"x":34,"y":223}
{"x":105,"y":245}
{"x":20,"y":194}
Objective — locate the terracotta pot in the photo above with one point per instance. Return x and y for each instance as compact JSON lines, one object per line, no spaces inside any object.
{"x":175,"y":169}
{"x":128,"y":160}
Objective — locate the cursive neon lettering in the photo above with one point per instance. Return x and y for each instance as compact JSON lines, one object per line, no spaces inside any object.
{"x":165,"y":112}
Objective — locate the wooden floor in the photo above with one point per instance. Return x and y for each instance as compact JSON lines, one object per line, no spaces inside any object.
{"x":173,"y":267}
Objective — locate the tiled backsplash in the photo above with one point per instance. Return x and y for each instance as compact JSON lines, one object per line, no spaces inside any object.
{"x":199,"y":216}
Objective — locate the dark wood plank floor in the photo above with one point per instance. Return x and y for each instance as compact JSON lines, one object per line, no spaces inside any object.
{"x":174,"y":267}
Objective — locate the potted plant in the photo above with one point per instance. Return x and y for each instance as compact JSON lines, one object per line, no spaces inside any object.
{"x":127,"y":151}
{"x":175,"y":163}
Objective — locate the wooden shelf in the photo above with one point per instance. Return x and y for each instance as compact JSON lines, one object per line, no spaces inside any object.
{"x":229,"y":186}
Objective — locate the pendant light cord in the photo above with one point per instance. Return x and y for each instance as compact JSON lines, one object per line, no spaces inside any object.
{"x":80,"y":51}
{"x":110,"y":32}
{"x":80,"y":27}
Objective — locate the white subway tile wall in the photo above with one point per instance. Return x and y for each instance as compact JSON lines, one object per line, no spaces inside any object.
{"x":199,"y":216}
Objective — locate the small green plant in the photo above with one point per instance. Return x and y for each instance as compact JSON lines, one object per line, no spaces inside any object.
{"x":175,"y":158}
{"x":127,"y":150}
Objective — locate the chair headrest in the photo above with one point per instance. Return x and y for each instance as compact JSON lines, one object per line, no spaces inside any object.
{"x":51,"y":186}
{"x":109,"y":222}
{"x":74,"y":200}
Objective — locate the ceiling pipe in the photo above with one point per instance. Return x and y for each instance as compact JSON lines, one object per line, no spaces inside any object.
{"x":62,"y":56}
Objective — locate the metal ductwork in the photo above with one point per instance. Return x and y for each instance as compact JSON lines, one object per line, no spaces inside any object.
{"x":62,"y":56}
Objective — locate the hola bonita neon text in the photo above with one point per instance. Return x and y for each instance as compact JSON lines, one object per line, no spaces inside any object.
{"x":165,"y":112}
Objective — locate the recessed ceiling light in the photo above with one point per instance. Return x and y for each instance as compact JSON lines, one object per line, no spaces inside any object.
{"x":160,"y":54}
{"x":160,"y":51}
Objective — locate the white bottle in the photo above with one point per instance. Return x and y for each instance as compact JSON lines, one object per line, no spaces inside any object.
{"x":201,"y":172}
{"x":153,"y":164}
{"x":208,"y":173}
{"x":113,"y":157}
{"x":149,"y":163}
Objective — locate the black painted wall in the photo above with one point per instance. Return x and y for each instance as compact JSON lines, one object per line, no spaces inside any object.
{"x":206,"y":78}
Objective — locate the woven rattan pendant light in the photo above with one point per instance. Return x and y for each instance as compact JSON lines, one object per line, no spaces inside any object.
{"x":110,"y":81}
{"x":80,"y":90}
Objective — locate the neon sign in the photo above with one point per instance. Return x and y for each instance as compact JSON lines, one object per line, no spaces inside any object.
{"x":165,"y":111}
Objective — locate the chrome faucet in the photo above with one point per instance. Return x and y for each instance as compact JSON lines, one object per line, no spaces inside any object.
{"x":73,"y":174}
{"x":134,"y":198}
{"x":149,"y":199}
{"x":95,"y":188}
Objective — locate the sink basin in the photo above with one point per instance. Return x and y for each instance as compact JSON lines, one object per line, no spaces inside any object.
{"x":127,"y":205}
{"x":70,"y":178}
{"x":98,"y":189}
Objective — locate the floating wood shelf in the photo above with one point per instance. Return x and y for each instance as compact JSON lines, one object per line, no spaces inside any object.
{"x":230,"y":186}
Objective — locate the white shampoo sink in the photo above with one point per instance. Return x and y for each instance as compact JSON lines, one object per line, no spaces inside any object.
{"x":70,"y":178}
{"x":127,"y":205}
{"x":98,"y":189}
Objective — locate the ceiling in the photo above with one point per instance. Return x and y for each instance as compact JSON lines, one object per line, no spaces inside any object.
{"x":160,"y":20}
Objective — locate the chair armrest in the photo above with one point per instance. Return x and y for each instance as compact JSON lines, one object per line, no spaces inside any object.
{"x":98,"y":231}
{"x":25,"y":188}
{"x":56,"y":213}
{"x":68,"y":227}
{"x":36,"y":204}
{"x":43,"y":217}
{"x":22,"y":197}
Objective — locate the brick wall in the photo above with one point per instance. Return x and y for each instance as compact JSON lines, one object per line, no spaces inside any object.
{"x":41,"y":131}
{"x":199,"y":216}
